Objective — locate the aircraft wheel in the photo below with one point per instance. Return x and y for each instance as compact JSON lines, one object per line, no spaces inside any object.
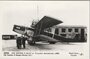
{"x":31,"y":42}
{"x":52,"y":42}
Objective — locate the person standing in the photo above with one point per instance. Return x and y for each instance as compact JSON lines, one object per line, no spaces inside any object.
{"x":23,"y":41}
{"x":18,"y":42}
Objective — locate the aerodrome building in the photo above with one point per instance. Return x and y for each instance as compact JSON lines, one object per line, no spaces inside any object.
{"x":77,"y":32}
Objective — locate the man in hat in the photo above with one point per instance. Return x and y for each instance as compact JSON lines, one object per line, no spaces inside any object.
{"x":23,"y":41}
{"x":18,"y":41}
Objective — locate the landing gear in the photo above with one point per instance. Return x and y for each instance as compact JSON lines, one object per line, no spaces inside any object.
{"x":52,"y":42}
{"x":31,"y":42}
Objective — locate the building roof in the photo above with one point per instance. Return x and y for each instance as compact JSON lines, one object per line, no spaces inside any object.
{"x":70,"y":26}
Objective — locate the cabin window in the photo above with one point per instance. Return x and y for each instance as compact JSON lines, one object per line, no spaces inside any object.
{"x":69,"y":30}
{"x":64,"y":35}
{"x":63,"y":30}
{"x":76,"y":30}
{"x":48,"y":30}
{"x":57,"y":31}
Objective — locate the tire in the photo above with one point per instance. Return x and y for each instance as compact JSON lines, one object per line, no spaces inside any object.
{"x":52,"y":42}
{"x":31,"y":43}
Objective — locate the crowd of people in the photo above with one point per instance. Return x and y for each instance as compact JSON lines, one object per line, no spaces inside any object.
{"x":20,"y":41}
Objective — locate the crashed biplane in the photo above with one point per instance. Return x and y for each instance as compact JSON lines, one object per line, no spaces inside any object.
{"x":37,"y":31}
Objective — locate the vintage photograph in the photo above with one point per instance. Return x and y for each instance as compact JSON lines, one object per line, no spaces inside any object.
{"x":61,"y":26}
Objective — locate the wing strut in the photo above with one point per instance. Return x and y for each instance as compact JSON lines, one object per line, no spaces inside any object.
{"x":40,"y":27}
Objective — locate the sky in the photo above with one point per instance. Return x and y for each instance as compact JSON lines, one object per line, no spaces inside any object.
{"x":24,"y":12}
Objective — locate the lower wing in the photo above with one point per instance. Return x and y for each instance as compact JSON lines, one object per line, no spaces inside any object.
{"x":45,"y":38}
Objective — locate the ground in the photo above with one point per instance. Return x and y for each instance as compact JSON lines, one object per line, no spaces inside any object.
{"x":10,"y":45}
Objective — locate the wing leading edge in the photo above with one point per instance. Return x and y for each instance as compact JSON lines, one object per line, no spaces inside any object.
{"x":47,"y":22}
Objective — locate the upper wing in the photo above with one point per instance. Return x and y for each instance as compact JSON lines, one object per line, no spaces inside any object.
{"x":46,"y":22}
